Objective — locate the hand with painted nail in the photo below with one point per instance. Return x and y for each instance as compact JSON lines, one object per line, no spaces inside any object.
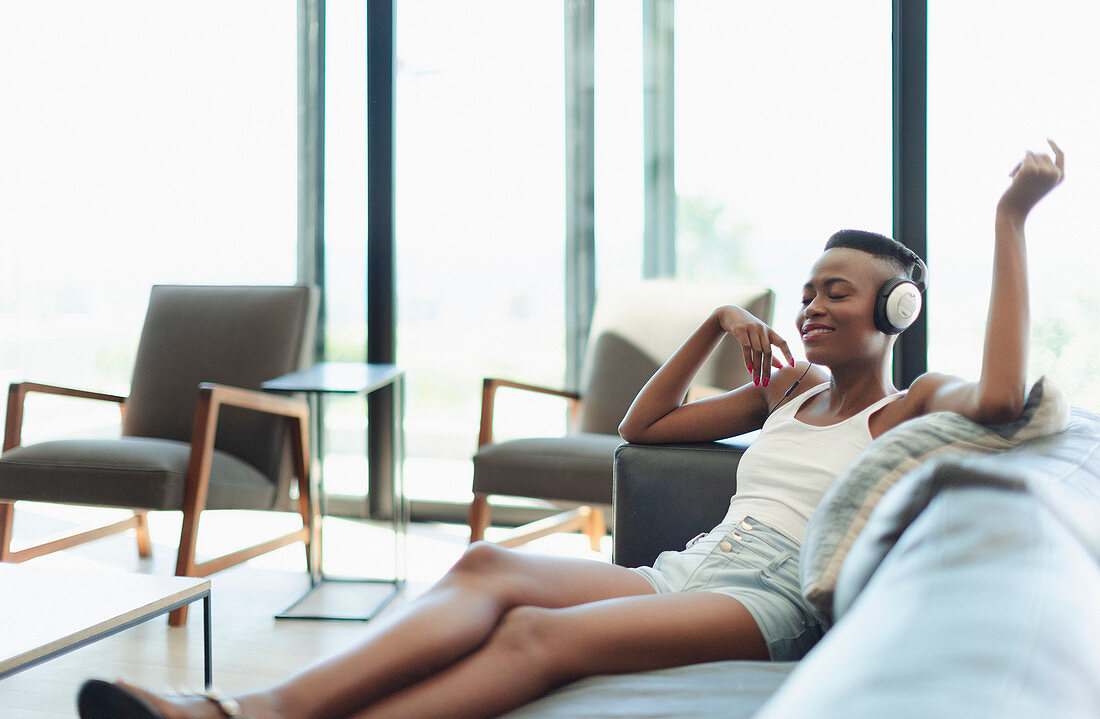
{"x":756,"y":339}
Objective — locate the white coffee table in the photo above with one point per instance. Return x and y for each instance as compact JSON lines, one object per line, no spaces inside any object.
{"x":49,"y":612}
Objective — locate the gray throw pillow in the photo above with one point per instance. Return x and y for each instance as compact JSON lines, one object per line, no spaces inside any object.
{"x":852,"y":496}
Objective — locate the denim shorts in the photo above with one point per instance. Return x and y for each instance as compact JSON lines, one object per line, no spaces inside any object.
{"x":755,"y":565}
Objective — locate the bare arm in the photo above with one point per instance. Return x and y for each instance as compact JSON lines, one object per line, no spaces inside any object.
{"x":998,"y":395}
{"x":659,"y":414}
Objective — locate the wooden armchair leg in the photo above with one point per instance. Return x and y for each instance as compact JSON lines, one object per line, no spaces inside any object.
{"x":177,"y":617}
{"x":595,"y":528}
{"x":312,"y":524}
{"x":144,"y":542}
{"x":307,"y":503}
{"x":7,"y":518}
{"x":185,"y":560}
{"x":480,"y":513}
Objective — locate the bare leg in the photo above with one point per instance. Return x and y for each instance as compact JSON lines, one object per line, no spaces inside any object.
{"x":452,"y":619}
{"x":536,"y":650}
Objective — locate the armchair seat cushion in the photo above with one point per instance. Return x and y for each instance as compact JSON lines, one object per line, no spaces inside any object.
{"x":575,"y":468}
{"x":131,"y":472}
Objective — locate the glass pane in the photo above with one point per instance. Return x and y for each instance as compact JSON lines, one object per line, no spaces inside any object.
{"x":480,"y":229}
{"x":346,"y":181}
{"x":783,"y":136}
{"x":142,"y":143}
{"x":345,"y":429}
{"x":619,"y":212}
{"x":989,"y":99}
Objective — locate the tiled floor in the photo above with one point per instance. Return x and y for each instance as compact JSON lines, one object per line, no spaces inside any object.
{"x":250,"y":646}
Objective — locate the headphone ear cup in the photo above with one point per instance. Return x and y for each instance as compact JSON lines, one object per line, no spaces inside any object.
{"x":897,"y":306}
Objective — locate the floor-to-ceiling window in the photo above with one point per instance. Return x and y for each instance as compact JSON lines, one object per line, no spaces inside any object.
{"x":619,"y":196}
{"x":141,"y":143}
{"x":480,"y":185}
{"x":782,"y":137}
{"x":345,"y":244}
{"x":155,"y":142}
{"x":1003,"y":77}
{"x":479,"y":225}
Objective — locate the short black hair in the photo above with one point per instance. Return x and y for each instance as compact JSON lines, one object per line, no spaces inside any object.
{"x":904,"y":259}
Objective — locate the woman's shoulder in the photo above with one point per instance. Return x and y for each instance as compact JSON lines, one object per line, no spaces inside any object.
{"x":927,"y":386}
{"x":914,"y":403}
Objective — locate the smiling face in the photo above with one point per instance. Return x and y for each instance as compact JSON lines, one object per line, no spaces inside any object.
{"x":836,"y":319}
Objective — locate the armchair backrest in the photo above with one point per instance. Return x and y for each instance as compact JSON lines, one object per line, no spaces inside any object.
{"x":637,"y":326}
{"x":238,"y":336}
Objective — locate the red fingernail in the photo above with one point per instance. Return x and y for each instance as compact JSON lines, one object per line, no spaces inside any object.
{"x":756,"y":381}
{"x":765,"y":381}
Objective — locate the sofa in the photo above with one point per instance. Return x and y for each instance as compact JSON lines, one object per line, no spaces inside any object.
{"x":972,"y":591}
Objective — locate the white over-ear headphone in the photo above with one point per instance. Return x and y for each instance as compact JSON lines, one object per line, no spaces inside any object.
{"x":899,"y":300}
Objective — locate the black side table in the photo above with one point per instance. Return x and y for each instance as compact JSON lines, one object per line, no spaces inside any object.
{"x":351,"y":598}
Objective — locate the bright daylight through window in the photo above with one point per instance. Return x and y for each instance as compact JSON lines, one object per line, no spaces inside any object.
{"x":153,"y":145}
{"x":142,"y":144}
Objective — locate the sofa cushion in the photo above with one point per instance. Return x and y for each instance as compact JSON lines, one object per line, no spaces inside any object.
{"x":852,"y":497}
{"x":985,"y":607}
{"x":732,"y":690}
{"x":1061,"y":472}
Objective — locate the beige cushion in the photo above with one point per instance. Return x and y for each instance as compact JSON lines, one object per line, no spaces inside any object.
{"x":848,"y":502}
{"x":638,"y":325}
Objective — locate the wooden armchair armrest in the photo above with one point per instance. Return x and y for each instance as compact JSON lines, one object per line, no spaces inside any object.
{"x":488,"y":402}
{"x":22,"y":389}
{"x":219,"y":394}
{"x":17,"y":395}
{"x":210,"y":401}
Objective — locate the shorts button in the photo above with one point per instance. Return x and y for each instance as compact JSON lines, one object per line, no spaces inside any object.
{"x":725,"y":546}
{"x":745,"y":525}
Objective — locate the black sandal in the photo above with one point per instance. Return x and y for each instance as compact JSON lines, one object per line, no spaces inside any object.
{"x":103,"y":700}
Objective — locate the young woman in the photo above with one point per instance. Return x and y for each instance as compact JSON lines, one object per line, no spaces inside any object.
{"x":502,"y":628}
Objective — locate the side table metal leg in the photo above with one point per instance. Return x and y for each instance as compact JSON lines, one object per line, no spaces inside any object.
{"x":400,"y":502}
{"x":317,"y":413}
{"x":207,"y":643}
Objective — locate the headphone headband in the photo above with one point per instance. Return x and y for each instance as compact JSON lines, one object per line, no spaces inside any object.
{"x":918,"y":271}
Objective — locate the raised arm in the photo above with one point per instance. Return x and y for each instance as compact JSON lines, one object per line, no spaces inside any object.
{"x":659,"y":414}
{"x":998,"y":395}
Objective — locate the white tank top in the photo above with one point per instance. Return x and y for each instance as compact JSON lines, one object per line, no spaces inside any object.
{"x":786,"y":470}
